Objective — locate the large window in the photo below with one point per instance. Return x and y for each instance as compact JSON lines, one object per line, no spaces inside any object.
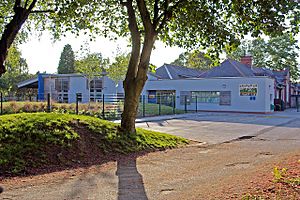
{"x":62,"y":88}
{"x":206,"y":97}
{"x":96,"y":87}
{"x":62,"y":84}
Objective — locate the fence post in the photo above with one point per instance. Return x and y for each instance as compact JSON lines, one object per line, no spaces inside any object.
{"x":48,"y":103}
{"x":196,"y":103}
{"x":174,"y":103}
{"x":185,"y":104}
{"x":77,"y":103}
{"x":159,"y":106}
{"x":103,"y":107}
{"x":1,"y":103}
{"x":144,"y":97}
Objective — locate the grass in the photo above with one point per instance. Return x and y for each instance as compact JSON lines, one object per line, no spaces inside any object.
{"x":153,"y":109}
{"x":28,"y":139}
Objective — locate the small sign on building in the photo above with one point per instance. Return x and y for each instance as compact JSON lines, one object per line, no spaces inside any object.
{"x":248,"y":90}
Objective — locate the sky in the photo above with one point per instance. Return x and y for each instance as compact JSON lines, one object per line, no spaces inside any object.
{"x":43,"y":54}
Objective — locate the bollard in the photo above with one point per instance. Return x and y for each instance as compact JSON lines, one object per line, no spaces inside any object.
{"x":103,"y":105}
{"x":77,"y":103}
{"x":48,"y":103}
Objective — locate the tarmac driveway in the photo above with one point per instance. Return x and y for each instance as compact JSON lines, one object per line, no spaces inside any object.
{"x":215,"y":128}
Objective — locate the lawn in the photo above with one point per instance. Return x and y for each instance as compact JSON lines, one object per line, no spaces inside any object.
{"x":30,"y":141}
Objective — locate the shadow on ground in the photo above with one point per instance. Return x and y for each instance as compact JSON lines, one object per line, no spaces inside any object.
{"x":131,"y":184}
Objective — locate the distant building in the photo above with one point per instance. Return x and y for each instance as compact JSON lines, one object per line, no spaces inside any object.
{"x":233,"y":86}
{"x":65,"y":87}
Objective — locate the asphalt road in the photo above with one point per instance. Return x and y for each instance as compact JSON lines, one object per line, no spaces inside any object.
{"x":228,"y":160}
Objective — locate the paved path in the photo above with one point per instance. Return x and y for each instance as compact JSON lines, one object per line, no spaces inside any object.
{"x":195,"y":172}
{"x":214,"y":128}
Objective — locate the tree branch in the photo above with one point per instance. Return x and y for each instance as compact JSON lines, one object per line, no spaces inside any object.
{"x":136,"y":41}
{"x":17,"y":5}
{"x":145,"y":15}
{"x":32,"y":5}
{"x":156,"y":12}
{"x":26,"y":3}
{"x":167,"y":14}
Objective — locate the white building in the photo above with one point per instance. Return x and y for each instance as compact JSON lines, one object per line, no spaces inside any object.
{"x":232,"y":87}
{"x":234,"y":94}
{"x":65,"y":87}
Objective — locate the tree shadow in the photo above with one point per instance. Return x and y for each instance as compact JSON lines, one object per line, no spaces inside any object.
{"x":131,"y":184}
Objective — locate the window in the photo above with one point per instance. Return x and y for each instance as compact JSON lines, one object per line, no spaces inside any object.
{"x":96,"y":86}
{"x":62,"y":84}
{"x":206,"y":97}
{"x":62,"y":88}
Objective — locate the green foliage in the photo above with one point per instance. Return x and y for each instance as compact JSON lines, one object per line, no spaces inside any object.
{"x":17,"y":71}
{"x":279,"y":174}
{"x":117,"y":70}
{"x":24,"y":138}
{"x":66,"y":63}
{"x":194,"y":59}
{"x":252,"y":197}
{"x":90,"y":64}
{"x":278,"y":53}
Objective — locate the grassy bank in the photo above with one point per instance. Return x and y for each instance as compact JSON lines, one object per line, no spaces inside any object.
{"x":31,"y":141}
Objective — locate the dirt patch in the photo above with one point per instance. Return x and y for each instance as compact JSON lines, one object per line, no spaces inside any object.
{"x":80,"y":153}
{"x":262,"y":184}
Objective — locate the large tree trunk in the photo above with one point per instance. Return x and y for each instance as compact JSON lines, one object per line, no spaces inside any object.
{"x":11,"y":30}
{"x":133,"y":86}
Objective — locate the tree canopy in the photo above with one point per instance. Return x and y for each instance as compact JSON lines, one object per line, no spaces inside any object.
{"x":17,"y":71}
{"x":277,"y":53}
{"x":201,"y":24}
{"x":90,"y":64}
{"x":67,"y":61}
{"x":195,"y":59}
{"x":117,"y":70}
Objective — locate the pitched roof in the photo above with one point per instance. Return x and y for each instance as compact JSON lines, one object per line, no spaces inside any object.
{"x":230,"y":68}
{"x":168,"y":71}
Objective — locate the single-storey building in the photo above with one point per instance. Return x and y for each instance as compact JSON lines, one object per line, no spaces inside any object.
{"x":233,"y":86}
{"x":65,"y":87}
{"x":230,"y":87}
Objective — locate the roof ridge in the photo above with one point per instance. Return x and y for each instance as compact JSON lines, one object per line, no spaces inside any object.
{"x":236,"y":67}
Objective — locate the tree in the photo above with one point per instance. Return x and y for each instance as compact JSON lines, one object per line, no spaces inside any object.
{"x":17,"y":71}
{"x":67,"y":61}
{"x":117,"y":70}
{"x":91,"y":65}
{"x":277,"y":53}
{"x":187,"y":23}
{"x":14,"y":13}
{"x":195,"y":59}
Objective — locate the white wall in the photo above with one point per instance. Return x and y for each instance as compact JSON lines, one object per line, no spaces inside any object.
{"x":78,"y":85}
{"x":238,"y":103}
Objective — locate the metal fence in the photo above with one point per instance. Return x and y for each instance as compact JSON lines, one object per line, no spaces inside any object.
{"x":104,"y":106}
